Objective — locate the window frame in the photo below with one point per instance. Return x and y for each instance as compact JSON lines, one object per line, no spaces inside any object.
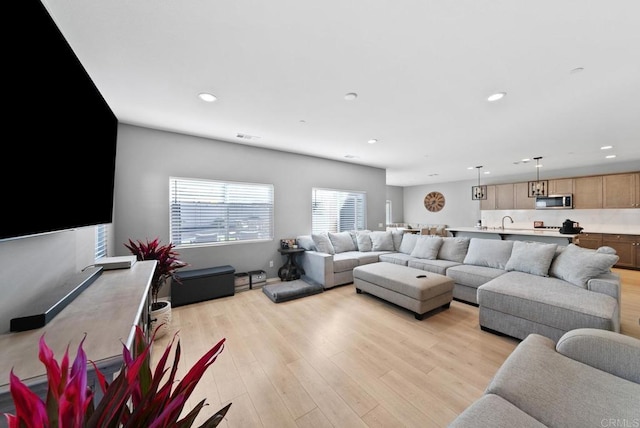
{"x":359,"y":219}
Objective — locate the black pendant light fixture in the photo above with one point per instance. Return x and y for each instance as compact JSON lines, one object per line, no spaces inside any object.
{"x":478,"y":192}
{"x":538,"y":187}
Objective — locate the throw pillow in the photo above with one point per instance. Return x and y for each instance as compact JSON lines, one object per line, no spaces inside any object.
{"x":323,"y":243}
{"x":488,"y":252}
{"x":341,"y":242}
{"x":364,"y":240}
{"x":397,"y":239}
{"x":408,"y":243}
{"x":381,"y":241}
{"x":454,"y":249}
{"x":306,"y":242}
{"x":578,"y":265}
{"x":606,"y":250}
{"x":531,"y":257}
{"x":427,"y":247}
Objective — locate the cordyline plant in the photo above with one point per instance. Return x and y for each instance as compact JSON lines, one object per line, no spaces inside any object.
{"x":168,"y":262}
{"x":135,"y":398}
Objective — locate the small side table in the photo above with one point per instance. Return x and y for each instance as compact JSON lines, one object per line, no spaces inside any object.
{"x":290,"y":270}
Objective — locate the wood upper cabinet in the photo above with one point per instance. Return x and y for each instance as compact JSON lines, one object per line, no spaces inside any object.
{"x":490,"y":202}
{"x":587,"y":192}
{"x":621,"y":191}
{"x":521,"y":197}
{"x":561,"y":186}
{"x":589,"y":240}
{"x":504,"y":197}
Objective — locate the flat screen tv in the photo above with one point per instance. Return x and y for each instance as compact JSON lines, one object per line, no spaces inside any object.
{"x":60,"y":135}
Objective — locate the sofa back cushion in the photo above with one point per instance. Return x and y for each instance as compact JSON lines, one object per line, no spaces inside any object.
{"x":363,"y":238}
{"x":408,"y":243}
{"x":488,"y":252}
{"x":382,"y":241}
{"x":323,"y":243}
{"x":427,"y":247}
{"x":342,"y":242}
{"x":531,"y":257}
{"x":578,"y":265}
{"x":397,"y":239}
{"x":454,"y":249}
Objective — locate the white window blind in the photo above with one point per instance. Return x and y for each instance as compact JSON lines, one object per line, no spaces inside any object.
{"x":338,"y":210}
{"x":101,"y":241}
{"x":218,"y":212}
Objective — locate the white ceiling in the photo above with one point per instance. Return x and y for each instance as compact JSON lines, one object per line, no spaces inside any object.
{"x":422,"y":70}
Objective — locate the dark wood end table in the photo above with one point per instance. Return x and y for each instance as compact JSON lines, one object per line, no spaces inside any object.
{"x":290,"y":270}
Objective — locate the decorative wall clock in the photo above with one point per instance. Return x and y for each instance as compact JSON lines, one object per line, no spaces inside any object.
{"x":434,"y":201}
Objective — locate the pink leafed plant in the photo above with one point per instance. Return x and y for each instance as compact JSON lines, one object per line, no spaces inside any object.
{"x":137,"y":397}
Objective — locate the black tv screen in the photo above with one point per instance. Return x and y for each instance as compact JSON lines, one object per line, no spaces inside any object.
{"x":60,"y":135}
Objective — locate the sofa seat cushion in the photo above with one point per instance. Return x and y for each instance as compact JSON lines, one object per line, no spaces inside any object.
{"x":559,"y":391}
{"x":473,"y":276}
{"x":491,"y":410}
{"x":549,"y":301}
{"x":343,"y":262}
{"x":396,"y":258}
{"x":435,"y":266}
{"x":370,"y":257}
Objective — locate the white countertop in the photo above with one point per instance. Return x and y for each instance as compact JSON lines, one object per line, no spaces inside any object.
{"x":507,"y":231}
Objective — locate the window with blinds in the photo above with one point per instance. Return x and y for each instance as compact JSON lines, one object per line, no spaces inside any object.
{"x":338,"y":210}
{"x":219,"y":212}
{"x":101,"y":241}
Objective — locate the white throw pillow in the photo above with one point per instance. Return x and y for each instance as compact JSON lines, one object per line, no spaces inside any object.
{"x":531,"y":257}
{"x":364,"y":240}
{"x":323,"y":243}
{"x":488,"y":252}
{"x":454,"y":249}
{"x":341,"y":242}
{"x":408,"y":243}
{"x":427,"y":247}
{"x":381,"y":241}
{"x":578,"y":265}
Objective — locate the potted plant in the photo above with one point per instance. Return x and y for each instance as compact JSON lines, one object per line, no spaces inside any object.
{"x":168,"y":262}
{"x":135,"y":398}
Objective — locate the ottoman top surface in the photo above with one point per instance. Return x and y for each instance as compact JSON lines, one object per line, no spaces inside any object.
{"x":412,"y":282}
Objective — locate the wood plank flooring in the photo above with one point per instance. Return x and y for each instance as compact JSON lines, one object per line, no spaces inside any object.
{"x":341,"y":359}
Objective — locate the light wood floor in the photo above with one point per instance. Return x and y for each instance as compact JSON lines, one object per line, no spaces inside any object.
{"x":341,"y":359}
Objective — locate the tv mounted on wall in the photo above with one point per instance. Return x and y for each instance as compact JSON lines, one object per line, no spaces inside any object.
{"x":60,"y":135}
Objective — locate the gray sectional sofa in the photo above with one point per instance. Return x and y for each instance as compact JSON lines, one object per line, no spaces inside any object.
{"x":520,"y":287}
{"x":589,"y":378}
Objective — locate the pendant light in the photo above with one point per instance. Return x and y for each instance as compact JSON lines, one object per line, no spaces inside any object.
{"x":478,"y":192}
{"x":538,"y":188}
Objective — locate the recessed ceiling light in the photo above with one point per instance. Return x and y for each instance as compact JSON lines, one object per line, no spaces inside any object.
{"x":526,"y":160}
{"x":497,"y":96}
{"x":487,"y":172}
{"x":372,"y":141}
{"x":350,"y":96}
{"x":471,"y":167}
{"x":610,"y":156}
{"x":606,"y":147}
{"x":204,"y":96}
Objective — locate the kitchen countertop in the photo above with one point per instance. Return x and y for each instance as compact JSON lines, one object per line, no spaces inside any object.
{"x":508,"y":231}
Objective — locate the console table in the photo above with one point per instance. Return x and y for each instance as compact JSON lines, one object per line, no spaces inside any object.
{"x":106,"y":312}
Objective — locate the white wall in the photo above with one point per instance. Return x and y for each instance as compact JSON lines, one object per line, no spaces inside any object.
{"x":147,"y":158}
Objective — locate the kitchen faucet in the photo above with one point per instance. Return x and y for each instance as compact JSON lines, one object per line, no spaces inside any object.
{"x":507,"y":216}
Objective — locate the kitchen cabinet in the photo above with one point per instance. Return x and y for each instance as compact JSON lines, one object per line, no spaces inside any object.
{"x":490,"y":202}
{"x":589,"y":240}
{"x":587,"y":192}
{"x":521,"y":197}
{"x":621,"y":191}
{"x":561,"y":186}
{"x":504,"y":197}
{"x":626,"y":246}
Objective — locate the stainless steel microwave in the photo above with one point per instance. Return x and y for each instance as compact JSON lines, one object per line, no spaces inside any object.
{"x":554,"y":202}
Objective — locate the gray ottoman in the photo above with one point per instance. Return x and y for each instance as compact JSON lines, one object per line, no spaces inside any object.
{"x":413,"y":289}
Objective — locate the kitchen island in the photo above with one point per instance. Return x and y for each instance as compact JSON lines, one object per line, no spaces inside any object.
{"x":507,"y":234}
